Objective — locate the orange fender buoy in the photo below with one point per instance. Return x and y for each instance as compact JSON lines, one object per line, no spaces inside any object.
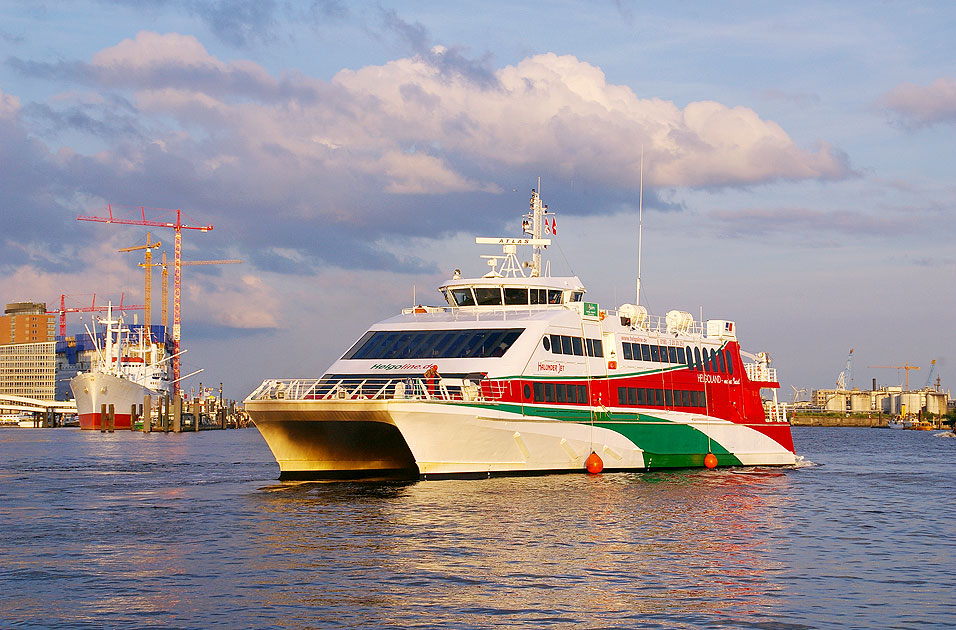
{"x":594,"y":463}
{"x":710,"y":460}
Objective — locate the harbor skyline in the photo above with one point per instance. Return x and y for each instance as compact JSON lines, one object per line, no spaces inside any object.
{"x":797,"y":175}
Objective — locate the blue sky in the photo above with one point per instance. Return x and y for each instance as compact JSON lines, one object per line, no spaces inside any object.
{"x":798,"y":164}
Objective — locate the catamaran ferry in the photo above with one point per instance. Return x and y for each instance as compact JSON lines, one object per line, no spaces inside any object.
{"x":519,"y":374}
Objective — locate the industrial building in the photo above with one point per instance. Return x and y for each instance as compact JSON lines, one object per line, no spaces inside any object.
{"x":892,"y":401}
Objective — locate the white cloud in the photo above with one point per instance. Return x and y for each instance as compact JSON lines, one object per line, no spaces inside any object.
{"x":154,"y":50}
{"x":919,"y":105}
{"x":416,"y":129}
{"x":9,"y":105}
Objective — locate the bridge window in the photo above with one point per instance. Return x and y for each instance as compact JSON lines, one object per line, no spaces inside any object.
{"x":515,"y":296}
{"x":463,"y":296}
{"x":488,"y":296}
{"x":577,"y":296}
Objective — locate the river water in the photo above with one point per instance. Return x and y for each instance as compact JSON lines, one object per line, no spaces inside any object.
{"x":128,"y":530}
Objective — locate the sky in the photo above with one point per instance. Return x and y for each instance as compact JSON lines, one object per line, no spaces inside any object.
{"x":798,"y":166}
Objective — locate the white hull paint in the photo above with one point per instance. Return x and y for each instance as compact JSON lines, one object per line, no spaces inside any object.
{"x":94,"y":389}
{"x":457,"y":439}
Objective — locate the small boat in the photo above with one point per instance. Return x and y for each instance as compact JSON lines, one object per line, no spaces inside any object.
{"x":518,"y":373}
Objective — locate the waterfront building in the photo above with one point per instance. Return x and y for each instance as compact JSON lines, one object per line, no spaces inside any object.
{"x":27,"y":369}
{"x":26,"y":322}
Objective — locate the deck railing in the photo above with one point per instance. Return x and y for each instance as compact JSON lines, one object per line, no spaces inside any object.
{"x":760,"y":372}
{"x":776,"y":412}
{"x":408,"y":388}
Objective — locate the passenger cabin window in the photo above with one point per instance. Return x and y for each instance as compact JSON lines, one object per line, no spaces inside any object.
{"x":575,"y":346}
{"x":439,"y":344}
{"x":641,"y":396}
{"x":463,"y":296}
{"x":560,"y":392}
{"x":488,"y":296}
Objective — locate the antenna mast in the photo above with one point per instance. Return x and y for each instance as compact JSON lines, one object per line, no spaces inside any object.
{"x":537,"y":217}
{"x":640,"y":229}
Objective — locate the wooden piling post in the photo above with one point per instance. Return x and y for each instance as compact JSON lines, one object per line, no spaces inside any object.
{"x":147,"y":413}
{"x":164,"y":413}
{"x":177,"y":414}
{"x":103,"y":418}
{"x":111,"y":419}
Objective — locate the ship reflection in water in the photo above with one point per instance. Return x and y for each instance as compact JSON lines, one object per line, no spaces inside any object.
{"x":615,"y":549}
{"x":158,"y":531}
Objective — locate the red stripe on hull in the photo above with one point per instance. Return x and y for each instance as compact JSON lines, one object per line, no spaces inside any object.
{"x":91,"y":421}
{"x":778,"y":432}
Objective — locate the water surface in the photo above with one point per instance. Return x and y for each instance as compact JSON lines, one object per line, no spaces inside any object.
{"x":194,"y":531}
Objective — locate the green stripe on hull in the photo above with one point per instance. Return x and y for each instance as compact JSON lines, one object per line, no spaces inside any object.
{"x":666,"y":444}
{"x":671,"y":444}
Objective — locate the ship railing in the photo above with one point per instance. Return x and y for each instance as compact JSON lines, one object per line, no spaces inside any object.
{"x":776,"y":412}
{"x":404,"y":388}
{"x":760,"y":372}
{"x":656,"y":323}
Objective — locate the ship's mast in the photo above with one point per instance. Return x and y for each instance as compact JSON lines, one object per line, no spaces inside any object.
{"x":537,"y":218}
{"x":640,"y":229}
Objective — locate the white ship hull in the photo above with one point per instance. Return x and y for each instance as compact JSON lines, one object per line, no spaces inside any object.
{"x":352,"y":438}
{"x":92,"y":390}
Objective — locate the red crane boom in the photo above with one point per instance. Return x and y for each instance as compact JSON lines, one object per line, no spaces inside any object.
{"x":93,"y":308}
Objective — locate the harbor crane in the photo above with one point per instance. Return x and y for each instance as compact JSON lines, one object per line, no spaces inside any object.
{"x":138,"y":217}
{"x":149,"y":246}
{"x":93,"y":308}
{"x":185,"y":263}
{"x":906,"y":367}
{"x":846,"y":376}
{"x":929,"y":379}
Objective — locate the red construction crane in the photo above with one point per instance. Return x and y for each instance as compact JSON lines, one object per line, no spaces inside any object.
{"x":93,"y":308}
{"x":138,"y":217}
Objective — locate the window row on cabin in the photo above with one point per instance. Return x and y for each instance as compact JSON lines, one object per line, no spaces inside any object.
{"x":699,"y":359}
{"x":660,"y":397}
{"x":509,"y":296}
{"x":577,"y":346}
{"x":558,"y":392}
{"x":434,"y":344}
